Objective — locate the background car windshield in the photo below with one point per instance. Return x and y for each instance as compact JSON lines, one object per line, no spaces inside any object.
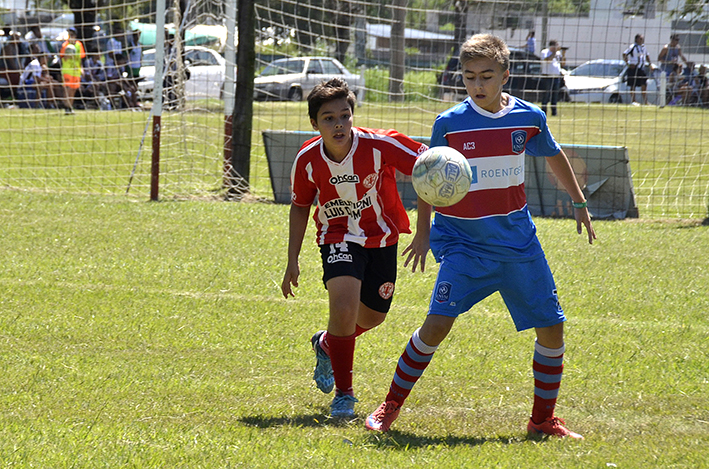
{"x":315,"y":67}
{"x":65,"y":20}
{"x":283,"y":67}
{"x":200,"y":57}
{"x":148,"y":59}
{"x":598,"y":70}
{"x":331,"y":68}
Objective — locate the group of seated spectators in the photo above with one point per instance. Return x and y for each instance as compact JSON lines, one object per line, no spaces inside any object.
{"x":38,"y":73}
{"x":688,"y":85}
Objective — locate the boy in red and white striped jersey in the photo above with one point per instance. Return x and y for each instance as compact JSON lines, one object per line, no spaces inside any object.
{"x":350,"y":172}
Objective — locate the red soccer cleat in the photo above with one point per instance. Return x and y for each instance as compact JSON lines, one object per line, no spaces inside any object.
{"x":382,"y":418}
{"x":551,"y":426}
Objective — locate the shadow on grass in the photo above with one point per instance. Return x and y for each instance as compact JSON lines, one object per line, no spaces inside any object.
{"x":309,"y":420}
{"x":393,"y":439}
{"x":404,"y":440}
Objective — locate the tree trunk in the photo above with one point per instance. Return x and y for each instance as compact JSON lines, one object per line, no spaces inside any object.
{"x":243,"y":100}
{"x":396,"y":48}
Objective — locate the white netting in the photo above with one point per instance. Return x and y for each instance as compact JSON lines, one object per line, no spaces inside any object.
{"x":95,"y":150}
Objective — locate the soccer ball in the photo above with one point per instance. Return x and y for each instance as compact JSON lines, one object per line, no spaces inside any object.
{"x":70,"y":50}
{"x":441,"y":176}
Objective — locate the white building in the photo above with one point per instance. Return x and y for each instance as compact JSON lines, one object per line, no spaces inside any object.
{"x":608,"y":29}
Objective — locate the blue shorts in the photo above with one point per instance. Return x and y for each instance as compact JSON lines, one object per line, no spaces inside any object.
{"x":527,"y":288}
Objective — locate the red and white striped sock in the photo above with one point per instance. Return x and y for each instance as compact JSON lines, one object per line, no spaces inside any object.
{"x":412,"y":363}
{"x":547,"y":366}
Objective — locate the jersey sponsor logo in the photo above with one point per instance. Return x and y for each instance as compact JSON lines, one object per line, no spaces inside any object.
{"x":344,"y":179}
{"x":339,"y":252}
{"x":344,"y":208}
{"x":469,"y":146}
{"x":370,"y":180}
{"x":443,"y":292}
{"x":519,"y":138}
{"x":339,"y":257}
{"x":498,"y":173}
{"x":386,"y":290}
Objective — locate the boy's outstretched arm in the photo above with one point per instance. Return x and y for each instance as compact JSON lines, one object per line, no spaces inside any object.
{"x":561,"y":168}
{"x":419,"y":246}
{"x":298,"y":222}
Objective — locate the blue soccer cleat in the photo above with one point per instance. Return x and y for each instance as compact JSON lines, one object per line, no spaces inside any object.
{"x":343,"y":406}
{"x":323,"y":377}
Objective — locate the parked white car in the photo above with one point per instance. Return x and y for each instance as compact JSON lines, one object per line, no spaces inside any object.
{"x":602,"y":81}
{"x":207,"y":70}
{"x":293,"y":79}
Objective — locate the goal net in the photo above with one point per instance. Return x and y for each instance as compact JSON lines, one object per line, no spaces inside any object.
{"x":399,"y":55}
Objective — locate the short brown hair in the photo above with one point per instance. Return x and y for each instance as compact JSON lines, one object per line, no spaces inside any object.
{"x":326,"y":91}
{"x":485,"y":46}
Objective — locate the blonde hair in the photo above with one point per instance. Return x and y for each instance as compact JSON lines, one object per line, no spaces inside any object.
{"x":485,"y":46}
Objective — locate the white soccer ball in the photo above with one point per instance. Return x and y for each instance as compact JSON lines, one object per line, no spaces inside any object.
{"x":441,"y":176}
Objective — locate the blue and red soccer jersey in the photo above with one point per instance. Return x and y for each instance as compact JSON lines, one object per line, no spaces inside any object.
{"x":357,"y":198}
{"x":492,"y":221}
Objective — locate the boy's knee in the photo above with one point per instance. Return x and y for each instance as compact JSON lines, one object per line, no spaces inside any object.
{"x":435,"y":329}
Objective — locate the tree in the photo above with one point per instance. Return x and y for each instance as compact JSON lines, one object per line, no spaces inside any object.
{"x":84,"y":21}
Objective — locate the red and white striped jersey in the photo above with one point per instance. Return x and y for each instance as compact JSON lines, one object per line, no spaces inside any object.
{"x":357,"y":198}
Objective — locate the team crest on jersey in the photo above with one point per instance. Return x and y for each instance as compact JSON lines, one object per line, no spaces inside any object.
{"x":386,"y":290}
{"x":519,"y":138}
{"x":443,"y":292}
{"x":370,"y":180}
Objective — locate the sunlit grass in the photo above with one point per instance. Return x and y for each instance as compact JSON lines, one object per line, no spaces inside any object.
{"x":152,"y":335}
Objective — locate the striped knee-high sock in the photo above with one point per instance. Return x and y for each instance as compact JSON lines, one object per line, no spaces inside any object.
{"x":547,"y":366}
{"x":412,"y":363}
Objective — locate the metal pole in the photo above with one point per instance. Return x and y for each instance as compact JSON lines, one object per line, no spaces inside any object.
{"x":229,"y":87}
{"x":157,"y":98}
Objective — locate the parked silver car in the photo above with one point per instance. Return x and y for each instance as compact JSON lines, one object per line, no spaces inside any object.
{"x":603,"y":81}
{"x":206,"y":78}
{"x":293,"y":78}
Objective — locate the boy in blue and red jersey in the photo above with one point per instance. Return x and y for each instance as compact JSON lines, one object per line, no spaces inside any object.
{"x":488,"y":242}
{"x":350,"y":171}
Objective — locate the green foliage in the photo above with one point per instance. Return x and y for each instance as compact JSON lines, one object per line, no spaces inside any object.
{"x":419,"y":86}
{"x":153,"y":335}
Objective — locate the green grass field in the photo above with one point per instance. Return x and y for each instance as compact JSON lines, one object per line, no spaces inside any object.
{"x":154,"y":335}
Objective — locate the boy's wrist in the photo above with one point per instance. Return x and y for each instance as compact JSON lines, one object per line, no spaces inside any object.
{"x":583,"y":204}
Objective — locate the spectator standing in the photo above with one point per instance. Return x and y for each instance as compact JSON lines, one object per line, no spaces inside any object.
{"x":72,"y":53}
{"x":135,"y":54}
{"x":553,"y":59}
{"x":670,"y":54}
{"x":637,"y":58}
{"x":531,"y":45}
{"x":702,"y":84}
{"x":114,"y":46}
